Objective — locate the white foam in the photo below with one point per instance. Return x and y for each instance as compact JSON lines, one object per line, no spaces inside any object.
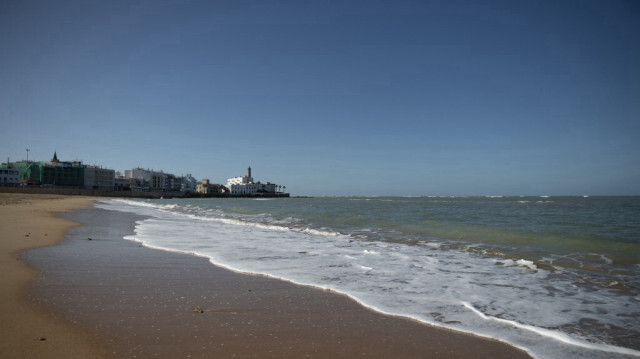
{"x":526,"y":263}
{"x":239,"y":222}
{"x":201,"y":215}
{"x":555,"y":335}
{"x":147,"y":204}
{"x":316,"y":232}
{"x":604,"y":258}
{"x":434,"y":245}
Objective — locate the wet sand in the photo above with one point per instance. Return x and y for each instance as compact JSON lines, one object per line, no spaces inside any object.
{"x":27,"y":330}
{"x":134,"y":301}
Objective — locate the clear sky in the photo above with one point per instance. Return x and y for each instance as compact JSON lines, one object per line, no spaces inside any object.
{"x":332,"y":97}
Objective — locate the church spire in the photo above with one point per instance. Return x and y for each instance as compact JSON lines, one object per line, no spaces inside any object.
{"x":55,"y":157}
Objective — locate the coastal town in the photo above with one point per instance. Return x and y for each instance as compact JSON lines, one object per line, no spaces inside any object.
{"x":74,"y":177}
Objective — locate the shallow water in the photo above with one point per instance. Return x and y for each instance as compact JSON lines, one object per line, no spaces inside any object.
{"x":557,"y":276}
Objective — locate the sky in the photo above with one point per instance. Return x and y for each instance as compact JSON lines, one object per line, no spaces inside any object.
{"x":332,"y":97}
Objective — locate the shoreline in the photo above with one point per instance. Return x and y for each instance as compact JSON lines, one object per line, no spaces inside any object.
{"x":142,"y":301}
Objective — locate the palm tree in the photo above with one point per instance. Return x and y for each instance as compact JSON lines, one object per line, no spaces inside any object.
{"x":284,"y":188}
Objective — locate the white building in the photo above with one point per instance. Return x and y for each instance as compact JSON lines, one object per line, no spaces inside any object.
{"x":9,"y":177}
{"x":242,"y":180}
{"x":244,"y":185}
{"x":248,"y":188}
{"x":156,"y":181}
{"x":160,"y":181}
{"x":269,"y":187}
{"x":139,"y":177}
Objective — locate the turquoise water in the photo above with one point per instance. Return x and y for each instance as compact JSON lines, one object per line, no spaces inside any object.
{"x":557,"y":276}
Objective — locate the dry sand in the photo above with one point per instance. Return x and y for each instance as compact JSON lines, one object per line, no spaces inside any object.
{"x":129,"y":301}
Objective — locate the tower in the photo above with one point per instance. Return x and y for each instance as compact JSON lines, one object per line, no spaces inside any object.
{"x":249,"y":172}
{"x":55,"y":157}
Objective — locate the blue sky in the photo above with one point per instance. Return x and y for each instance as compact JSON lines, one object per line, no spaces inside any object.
{"x":332,"y":97}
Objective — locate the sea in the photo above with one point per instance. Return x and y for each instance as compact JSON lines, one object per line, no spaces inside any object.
{"x":556,"y":276}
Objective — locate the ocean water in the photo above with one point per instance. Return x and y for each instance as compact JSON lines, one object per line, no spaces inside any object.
{"x":556,"y":276}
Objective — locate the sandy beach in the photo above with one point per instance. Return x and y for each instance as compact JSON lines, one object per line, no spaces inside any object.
{"x":28,"y":330}
{"x":98,"y":295}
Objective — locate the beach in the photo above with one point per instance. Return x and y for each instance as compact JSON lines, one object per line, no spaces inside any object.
{"x":28,"y":330}
{"x":102,"y":296}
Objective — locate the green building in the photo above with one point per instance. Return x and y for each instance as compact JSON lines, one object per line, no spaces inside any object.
{"x":53,"y":173}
